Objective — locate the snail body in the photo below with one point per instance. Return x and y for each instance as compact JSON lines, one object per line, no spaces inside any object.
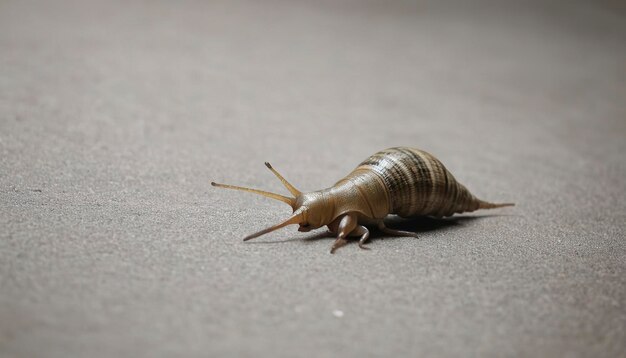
{"x":400,"y":181}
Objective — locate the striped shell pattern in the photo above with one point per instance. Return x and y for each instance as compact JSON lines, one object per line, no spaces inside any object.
{"x":418,"y":184}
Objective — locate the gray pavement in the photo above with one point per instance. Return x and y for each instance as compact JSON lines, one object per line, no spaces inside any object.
{"x":115,"y":116}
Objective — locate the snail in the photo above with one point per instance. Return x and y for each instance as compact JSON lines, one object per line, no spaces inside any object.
{"x":403,"y":181}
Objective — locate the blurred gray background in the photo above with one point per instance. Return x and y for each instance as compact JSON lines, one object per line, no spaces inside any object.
{"x":116,"y":115}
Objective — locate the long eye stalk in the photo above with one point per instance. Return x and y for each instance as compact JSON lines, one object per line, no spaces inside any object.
{"x":296,"y":218}
{"x":284,"y":199}
{"x":298,"y":215}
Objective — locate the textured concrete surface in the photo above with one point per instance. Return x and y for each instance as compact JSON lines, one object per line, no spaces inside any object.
{"x":115,"y":116}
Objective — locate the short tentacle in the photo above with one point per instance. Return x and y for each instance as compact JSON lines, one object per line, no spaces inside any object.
{"x":291,"y":188}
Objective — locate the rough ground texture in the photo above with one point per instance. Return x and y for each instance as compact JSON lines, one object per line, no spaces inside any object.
{"x":115,"y":116}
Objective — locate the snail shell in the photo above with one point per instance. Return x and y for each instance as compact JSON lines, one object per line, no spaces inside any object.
{"x":414,"y":183}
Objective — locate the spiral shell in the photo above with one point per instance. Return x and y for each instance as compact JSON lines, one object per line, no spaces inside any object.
{"x":417,"y":183}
